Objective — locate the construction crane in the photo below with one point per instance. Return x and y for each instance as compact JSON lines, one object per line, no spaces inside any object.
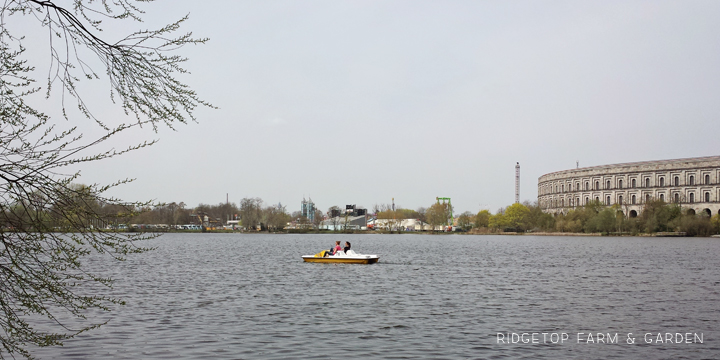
{"x":452,"y":218}
{"x":207,"y":222}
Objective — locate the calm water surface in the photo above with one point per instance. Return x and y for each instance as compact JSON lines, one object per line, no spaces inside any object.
{"x":238,"y":296}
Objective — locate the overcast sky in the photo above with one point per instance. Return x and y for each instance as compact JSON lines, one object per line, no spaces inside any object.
{"x":357,"y":102}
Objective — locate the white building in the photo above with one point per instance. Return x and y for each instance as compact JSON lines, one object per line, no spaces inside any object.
{"x":694,"y":183}
{"x":400,"y":225}
{"x":339,"y":223}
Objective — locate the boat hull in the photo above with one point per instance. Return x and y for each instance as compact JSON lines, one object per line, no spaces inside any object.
{"x":334,"y":260}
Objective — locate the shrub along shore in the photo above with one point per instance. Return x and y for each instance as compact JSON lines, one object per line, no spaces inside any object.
{"x":657,"y":218}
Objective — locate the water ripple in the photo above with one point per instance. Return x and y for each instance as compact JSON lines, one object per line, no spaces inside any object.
{"x":230,"y":296}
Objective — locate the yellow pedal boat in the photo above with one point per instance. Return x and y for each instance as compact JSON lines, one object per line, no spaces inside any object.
{"x":342,"y":258}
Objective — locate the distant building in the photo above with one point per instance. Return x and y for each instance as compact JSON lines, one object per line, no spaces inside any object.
{"x":339,"y":223}
{"x":692,"y":183}
{"x":401,"y":225}
{"x":353,"y":210}
{"x":307,"y":209}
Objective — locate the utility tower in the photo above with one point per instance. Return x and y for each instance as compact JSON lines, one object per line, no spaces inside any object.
{"x":517,"y":183}
{"x":449,"y":206}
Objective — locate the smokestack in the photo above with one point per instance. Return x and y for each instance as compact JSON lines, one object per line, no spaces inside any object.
{"x":517,"y":183}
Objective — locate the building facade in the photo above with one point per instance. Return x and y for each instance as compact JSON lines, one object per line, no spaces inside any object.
{"x":693,"y":183}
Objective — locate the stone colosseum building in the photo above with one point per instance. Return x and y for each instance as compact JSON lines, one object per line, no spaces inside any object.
{"x":693,"y":183}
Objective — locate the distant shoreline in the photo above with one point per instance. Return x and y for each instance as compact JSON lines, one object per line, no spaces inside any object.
{"x":369,"y":232}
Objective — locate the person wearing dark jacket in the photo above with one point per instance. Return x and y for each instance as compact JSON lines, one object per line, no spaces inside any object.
{"x":347,"y":247}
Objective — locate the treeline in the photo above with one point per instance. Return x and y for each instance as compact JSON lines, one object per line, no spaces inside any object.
{"x":436,"y":214}
{"x":252,"y":214}
{"x":82,"y":208}
{"x":656,"y":216}
{"x":514,"y":218}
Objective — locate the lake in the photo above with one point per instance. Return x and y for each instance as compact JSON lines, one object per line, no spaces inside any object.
{"x":250,"y":296}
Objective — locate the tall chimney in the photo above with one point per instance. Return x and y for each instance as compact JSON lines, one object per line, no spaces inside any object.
{"x":517,"y":183}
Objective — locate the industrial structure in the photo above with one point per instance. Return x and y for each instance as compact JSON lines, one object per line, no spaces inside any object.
{"x":517,"y":183}
{"x":693,"y":183}
{"x":449,"y":206}
{"x":307,"y":209}
{"x":353,"y":210}
{"x":206,"y":221}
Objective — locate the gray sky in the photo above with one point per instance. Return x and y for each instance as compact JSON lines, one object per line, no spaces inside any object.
{"x":357,"y":102}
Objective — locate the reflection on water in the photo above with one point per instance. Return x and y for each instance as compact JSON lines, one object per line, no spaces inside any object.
{"x":230,"y":296}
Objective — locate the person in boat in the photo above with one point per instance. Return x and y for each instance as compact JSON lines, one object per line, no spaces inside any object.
{"x":335,"y":249}
{"x":347,"y":247}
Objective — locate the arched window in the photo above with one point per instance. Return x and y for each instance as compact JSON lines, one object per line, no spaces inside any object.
{"x":692,"y":180}
{"x":577,"y":186}
{"x":677,"y":181}
{"x":633,"y":184}
{"x":607,"y":184}
{"x":647,"y":198}
{"x":597,"y":199}
{"x":562,"y":202}
{"x":662,"y":181}
{"x":647,"y":182}
{"x":607,"y":200}
{"x":632,"y":200}
{"x":577,"y":202}
{"x":563,"y":187}
{"x":707,"y":179}
{"x":692,"y":198}
{"x":587,"y":186}
{"x":586,"y":200}
{"x":707,"y":197}
{"x":597,"y":185}
{"x":620,"y":200}
{"x":677,"y":197}
{"x":620,"y":183}
{"x":662,"y":197}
